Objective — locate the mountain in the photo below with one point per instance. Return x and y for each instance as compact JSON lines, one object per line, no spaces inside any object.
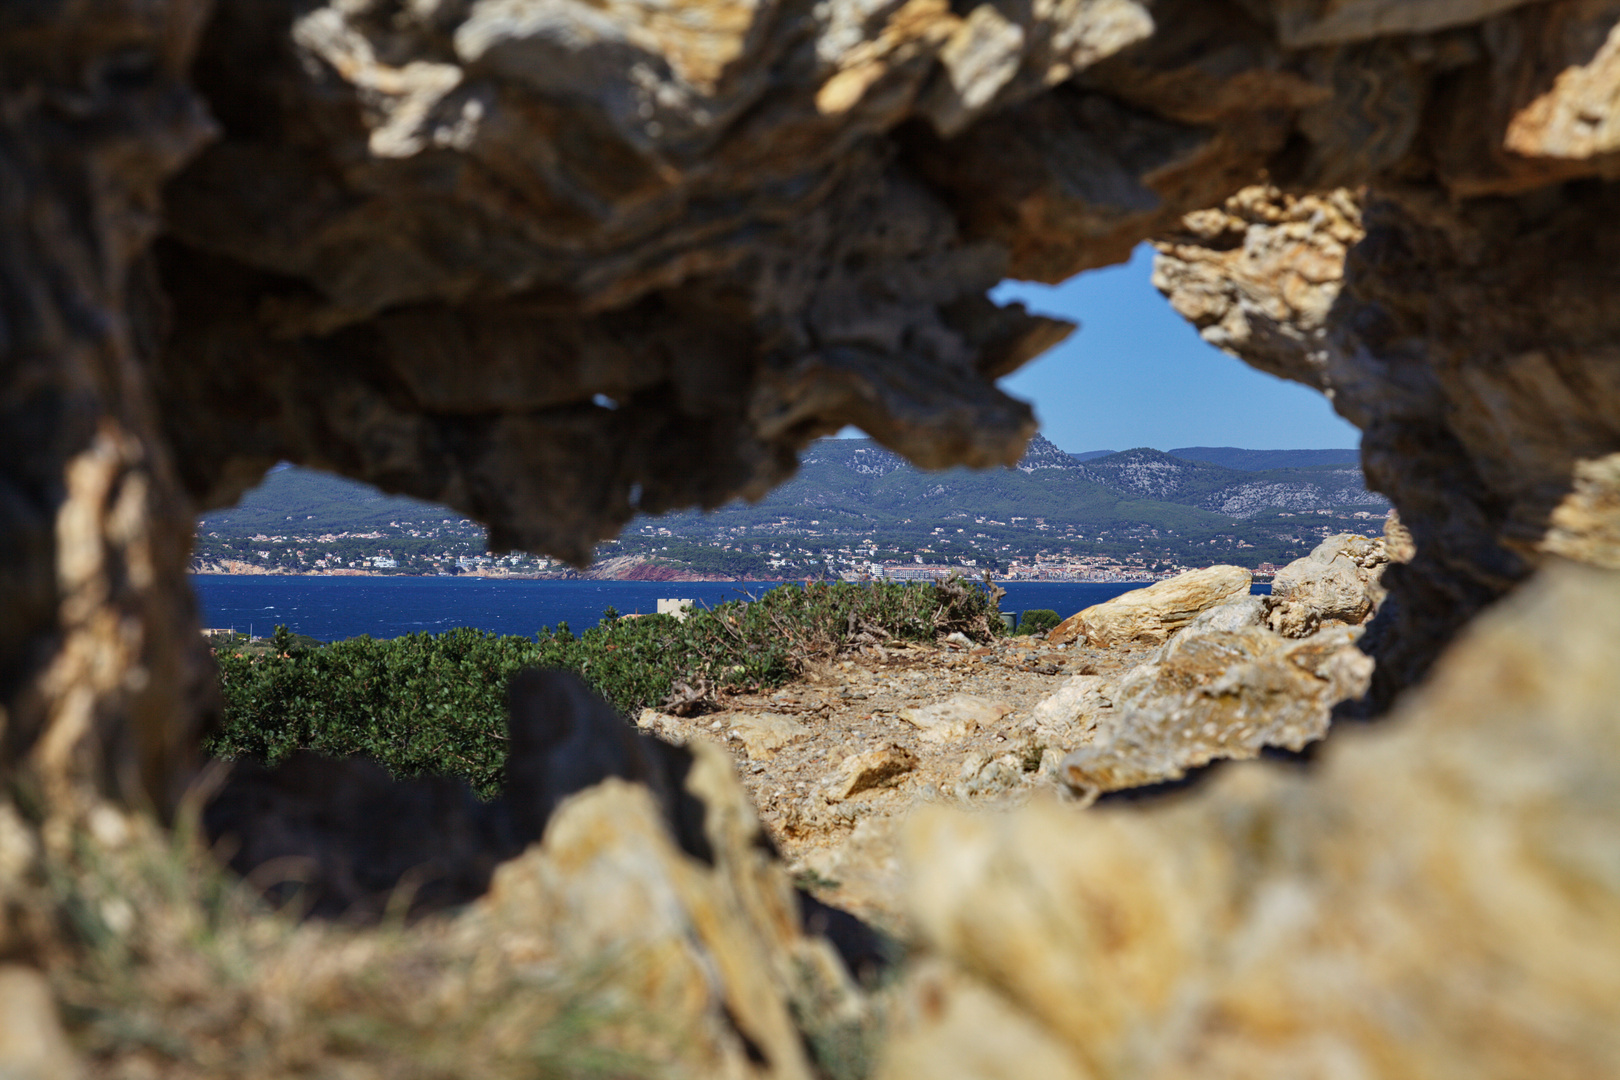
{"x":852,"y":500}
{"x":290,"y":498}
{"x":1239,"y":493}
{"x":855,"y":485}
{"x":1234,"y":458}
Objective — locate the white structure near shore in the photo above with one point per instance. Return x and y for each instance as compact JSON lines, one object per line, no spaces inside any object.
{"x":677,"y":608}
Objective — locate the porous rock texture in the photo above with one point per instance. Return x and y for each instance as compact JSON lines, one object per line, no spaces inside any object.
{"x":1244,"y":674}
{"x":1224,"y":687}
{"x":1435,"y":896}
{"x":1339,"y":582}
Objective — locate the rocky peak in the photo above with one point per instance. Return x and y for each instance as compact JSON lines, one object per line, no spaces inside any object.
{"x":1148,"y":472}
{"x":1042,"y":453}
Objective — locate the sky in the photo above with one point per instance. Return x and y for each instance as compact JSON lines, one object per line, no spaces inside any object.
{"x":1137,"y":374}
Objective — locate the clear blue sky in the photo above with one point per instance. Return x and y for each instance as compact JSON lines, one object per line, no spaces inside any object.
{"x":1137,"y":374}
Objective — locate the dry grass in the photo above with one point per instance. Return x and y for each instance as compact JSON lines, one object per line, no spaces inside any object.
{"x":167,"y":967}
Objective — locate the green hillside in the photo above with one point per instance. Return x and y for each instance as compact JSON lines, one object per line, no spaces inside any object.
{"x":308,"y":500}
{"x":853,"y":502}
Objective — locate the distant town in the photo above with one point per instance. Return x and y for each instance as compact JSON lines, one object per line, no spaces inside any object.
{"x":856,"y":512}
{"x":458,"y":548}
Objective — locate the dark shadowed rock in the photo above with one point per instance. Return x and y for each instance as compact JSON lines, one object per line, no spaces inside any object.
{"x":344,"y":839}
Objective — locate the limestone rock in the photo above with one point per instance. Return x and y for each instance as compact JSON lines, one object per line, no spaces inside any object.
{"x":1585,"y":525}
{"x":1283,"y":282}
{"x":955,"y":717}
{"x":1436,"y":896}
{"x":718,"y":955}
{"x":32,"y":1043}
{"x":762,"y":733}
{"x":1216,"y":692}
{"x":870,"y":769}
{"x":1234,"y":615}
{"x":1338,"y":582}
{"x":939,"y":1004}
{"x":984,"y":774}
{"x":1073,"y":709}
{"x":1154,"y":613}
{"x":1258,"y":276}
{"x":674,"y":729}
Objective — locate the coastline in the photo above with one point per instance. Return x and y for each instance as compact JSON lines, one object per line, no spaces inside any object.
{"x":642,"y":572}
{"x":670,"y":574}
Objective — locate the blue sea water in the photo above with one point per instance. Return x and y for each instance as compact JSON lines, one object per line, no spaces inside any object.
{"x":334,"y":608}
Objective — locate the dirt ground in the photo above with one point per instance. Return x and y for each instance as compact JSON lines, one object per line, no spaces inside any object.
{"x":793,"y":746}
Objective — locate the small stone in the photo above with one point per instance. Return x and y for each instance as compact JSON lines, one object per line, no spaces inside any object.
{"x":32,"y":1044}
{"x":667,"y":727}
{"x":956,"y":717}
{"x":874,"y":768}
{"x":984,"y":775}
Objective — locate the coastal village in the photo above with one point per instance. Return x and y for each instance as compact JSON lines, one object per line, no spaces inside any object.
{"x":855,"y":512}
{"x":457,"y":548}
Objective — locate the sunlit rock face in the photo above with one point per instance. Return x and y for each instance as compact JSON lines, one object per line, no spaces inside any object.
{"x":1435,"y":896}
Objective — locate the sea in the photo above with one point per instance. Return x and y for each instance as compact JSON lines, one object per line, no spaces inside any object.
{"x":336,"y":608}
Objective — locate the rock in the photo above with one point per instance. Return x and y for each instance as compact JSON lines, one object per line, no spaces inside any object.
{"x":1072,"y":710}
{"x":870,"y":769}
{"x":1436,"y":896}
{"x":762,"y":733}
{"x":1338,"y":582}
{"x":1259,"y":275}
{"x":1234,"y":615}
{"x":982,"y":774}
{"x":719,"y":959}
{"x":1214,"y":692}
{"x":1337,"y":22}
{"x":954,"y":718}
{"x":559,"y":264}
{"x":939,"y":1004}
{"x":1154,"y":613}
{"x":1284,"y":283}
{"x":32,"y":1043}
{"x":673,"y":729}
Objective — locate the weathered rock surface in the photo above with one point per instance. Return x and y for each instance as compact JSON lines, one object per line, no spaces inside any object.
{"x":1224,"y":687}
{"x":1435,"y":897}
{"x":763,"y":734}
{"x":1480,"y":379}
{"x":1154,"y":613}
{"x":954,"y":718}
{"x":719,"y":958}
{"x":1338,"y":582}
{"x":870,"y":769}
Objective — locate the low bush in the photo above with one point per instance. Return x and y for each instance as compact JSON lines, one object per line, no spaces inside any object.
{"x":1038,"y":621}
{"x":435,"y":703}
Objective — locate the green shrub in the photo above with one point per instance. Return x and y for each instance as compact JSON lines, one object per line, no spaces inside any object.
{"x":1038,"y":621}
{"x":435,"y":703}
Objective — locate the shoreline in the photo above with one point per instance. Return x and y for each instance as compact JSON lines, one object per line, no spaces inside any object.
{"x":694,"y":580}
{"x":482,"y":575}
